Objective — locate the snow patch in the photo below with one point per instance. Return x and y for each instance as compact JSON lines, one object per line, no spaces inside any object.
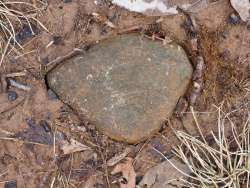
{"x":142,"y":6}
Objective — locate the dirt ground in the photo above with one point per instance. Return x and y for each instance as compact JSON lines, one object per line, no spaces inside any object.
{"x":34,"y":126}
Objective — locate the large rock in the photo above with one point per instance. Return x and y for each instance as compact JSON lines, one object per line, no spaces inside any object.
{"x":127,"y":85}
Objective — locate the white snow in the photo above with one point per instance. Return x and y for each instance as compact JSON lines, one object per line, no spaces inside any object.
{"x":142,"y":6}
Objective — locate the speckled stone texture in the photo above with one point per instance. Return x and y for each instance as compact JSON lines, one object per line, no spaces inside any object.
{"x":126,"y":86}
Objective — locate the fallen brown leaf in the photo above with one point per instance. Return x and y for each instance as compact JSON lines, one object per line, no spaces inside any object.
{"x":165,"y":175}
{"x":73,"y":146}
{"x":128,"y":173}
{"x":117,"y":158}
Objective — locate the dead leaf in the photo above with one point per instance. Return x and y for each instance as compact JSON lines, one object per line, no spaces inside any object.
{"x":164,"y":175}
{"x":128,"y":173}
{"x":243,"y":8}
{"x":73,"y":146}
{"x":94,"y":180}
{"x":117,"y":158}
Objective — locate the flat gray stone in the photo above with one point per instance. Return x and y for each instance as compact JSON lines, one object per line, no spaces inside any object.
{"x":126,"y":86}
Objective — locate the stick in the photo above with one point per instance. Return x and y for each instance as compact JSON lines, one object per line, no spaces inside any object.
{"x":59,"y":59}
{"x":19,"y":85}
{"x":3,"y":83}
{"x":15,"y":74}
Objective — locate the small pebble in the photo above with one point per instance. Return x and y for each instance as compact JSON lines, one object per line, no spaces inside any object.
{"x":52,"y":95}
{"x":12,"y":96}
{"x":45,"y":125}
{"x":10,"y":184}
{"x":233,"y":19}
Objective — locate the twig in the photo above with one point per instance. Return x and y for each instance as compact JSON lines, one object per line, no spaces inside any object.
{"x":5,"y":51}
{"x":200,"y":66}
{"x":23,"y":54}
{"x":140,"y":150}
{"x":54,"y":143}
{"x":18,"y":140}
{"x":133,"y":28}
{"x":197,"y":80}
{"x":19,"y":85}
{"x":3,"y":83}
{"x":192,"y":31}
{"x":197,"y":124}
{"x":52,"y":182}
{"x":59,"y":59}
{"x":7,"y":132}
{"x":71,"y":164}
{"x":3,"y":173}
{"x":185,"y":174}
{"x":15,"y":74}
{"x":106,"y":169}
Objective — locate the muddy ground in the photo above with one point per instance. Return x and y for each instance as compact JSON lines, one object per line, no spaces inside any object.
{"x":33,"y":158}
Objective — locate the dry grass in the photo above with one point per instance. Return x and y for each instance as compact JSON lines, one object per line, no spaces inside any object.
{"x":13,"y":15}
{"x":222,"y":77}
{"x":223,"y":161}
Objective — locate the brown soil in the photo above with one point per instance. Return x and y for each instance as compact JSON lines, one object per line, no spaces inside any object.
{"x":35,"y":160}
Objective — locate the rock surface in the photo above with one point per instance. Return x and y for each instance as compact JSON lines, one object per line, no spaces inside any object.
{"x":127,"y":85}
